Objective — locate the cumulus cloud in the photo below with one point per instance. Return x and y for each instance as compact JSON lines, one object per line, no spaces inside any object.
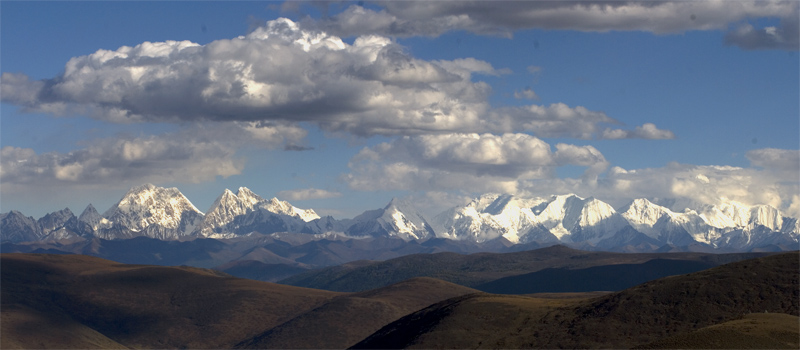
{"x":481,"y":162}
{"x":432,"y":18}
{"x":280,"y":73}
{"x":191,"y":155}
{"x":776,"y":159}
{"x":526,"y":93}
{"x":472,"y":164}
{"x":784,"y":37}
{"x":308,"y":193}
{"x":706,"y":184}
{"x":647,"y":131}
{"x":276,"y":73}
{"x":555,"y":120}
{"x":682,"y":185}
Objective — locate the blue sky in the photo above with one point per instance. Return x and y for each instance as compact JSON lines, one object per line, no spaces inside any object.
{"x":441,"y":102}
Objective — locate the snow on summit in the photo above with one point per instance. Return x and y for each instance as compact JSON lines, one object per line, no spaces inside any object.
{"x":147,"y":205}
{"x":165,"y":213}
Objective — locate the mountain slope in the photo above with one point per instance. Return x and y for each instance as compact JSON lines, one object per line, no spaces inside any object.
{"x":156,"y":212}
{"x":221,"y":219}
{"x":399,"y":219}
{"x":597,"y":278}
{"x":635,"y":316}
{"x":475,"y":269}
{"x":146,"y":306}
{"x":88,"y":302}
{"x":752,"y":331}
{"x":349,"y":318}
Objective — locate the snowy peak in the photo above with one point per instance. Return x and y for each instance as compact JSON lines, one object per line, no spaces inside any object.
{"x":594,"y":212}
{"x":405,"y":219}
{"x":726,"y":214}
{"x":489,"y":217}
{"x":229,"y":206}
{"x":16,"y":227}
{"x":226,"y":208}
{"x":91,"y":217}
{"x":278,"y":206}
{"x":399,"y":218}
{"x":247,"y":197}
{"x":733,"y":214}
{"x":642,"y":212}
{"x":55,"y":220}
{"x":561,"y":214}
{"x":149,"y":205}
{"x":767,"y":216}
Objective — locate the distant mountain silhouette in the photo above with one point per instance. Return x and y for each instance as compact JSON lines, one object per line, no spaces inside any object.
{"x":476,"y":269}
{"x":599,"y":278}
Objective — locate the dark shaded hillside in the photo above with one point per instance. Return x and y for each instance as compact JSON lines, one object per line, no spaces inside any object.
{"x":639,"y":315}
{"x":347,"y":319}
{"x":76,"y":301}
{"x":475,"y":269}
{"x":148,"y":306}
{"x":598,"y":278}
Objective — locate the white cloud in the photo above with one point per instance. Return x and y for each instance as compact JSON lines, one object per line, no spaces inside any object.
{"x":280,"y":73}
{"x":433,"y":18}
{"x":776,"y":159}
{"x":687,"y":185}
{"x":647,"y":131}
{"x":478,"y":162}
{"x":470,"y":164}
{"x":192,"y":155}
{"x":276,"y":73}
{"x":527,"y":93}
{"x":785,"y":37}
{"x":555,"y":120}
{"x":308,"y":193}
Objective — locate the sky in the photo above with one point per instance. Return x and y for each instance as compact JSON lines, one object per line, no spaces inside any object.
{"x":341,"y":106}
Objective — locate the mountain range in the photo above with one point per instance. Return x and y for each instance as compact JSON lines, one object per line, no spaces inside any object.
{"x":584,"y":223}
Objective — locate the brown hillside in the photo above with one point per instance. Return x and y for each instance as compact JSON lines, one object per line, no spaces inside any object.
{"x":475,"y":269}
{"x":635,"y":316}
{"x":753,"y":331}
{"x":73,"y":301}
{"x":349,"y":318}
{"x":142,"y":306}
{"x":21,"y":328}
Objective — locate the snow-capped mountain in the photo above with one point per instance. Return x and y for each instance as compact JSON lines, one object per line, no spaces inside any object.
{"x":591,"y":223}
{"x":55,"y":220}
{"x":586,"y":223}
{"x":277,"y":206}
{"x":488,"y":217}
{"x":399,"y":219}
{"x":156,"y":212}
{"x":221,"y":219}
{"x":91,"y":217}
{"x":565,"y":219}
{"x":16,"y":227}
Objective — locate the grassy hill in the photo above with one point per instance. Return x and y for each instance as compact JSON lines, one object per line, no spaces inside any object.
{"x":752,"y":331}
{"x":347,"y":319}
{"x":75,"y":301}
{"x":640,"y":315}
